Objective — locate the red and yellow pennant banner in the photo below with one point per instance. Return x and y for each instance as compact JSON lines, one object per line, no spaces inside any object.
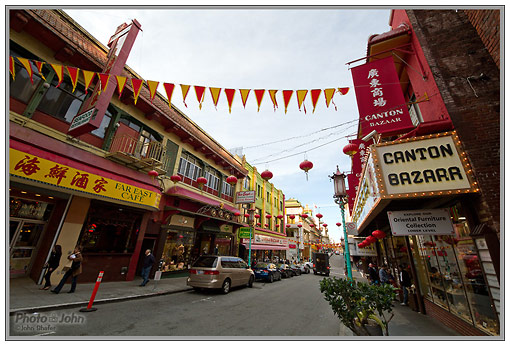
{"x":200,"y":91}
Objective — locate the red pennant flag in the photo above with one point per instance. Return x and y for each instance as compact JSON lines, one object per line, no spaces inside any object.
{"x":259,"y":95}
{"x":244,"y":95}
{"x":28,"y":67}
{"x":121,"y":82}
{"x":59,"y":70}
{"x":169,"y":88}
{"x":215,"y":94}
{"x":12,"y":68}
{"x":315,"y":93}
{"x":137,"y":86}
{"x":88,"y":76}
{"x":39,"y":65}
{"x":343,"y":91}
{"x":287,"y":94}
{"x":103,"y":81}
{"x":200,"y":90}
{"x":73,"y":73}
{"x":184,"y":89}
{"x":230,"y":98}
{"x":153,"y":87}
{"x":272,"y":93}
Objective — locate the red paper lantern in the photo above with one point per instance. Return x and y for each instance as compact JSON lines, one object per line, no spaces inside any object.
{"x":325,"y":224}
{"x":378,"y":234}
{"x":175,"y":178}
{"x":266,"y":175}
{"x":237,"y":213}
{"x":312,"y":225}
{"x":268,"y":216}
{"x":201,"y":182}
{"x":292,"y":217}
{"x":319,"y":216}
{"x":153,"y":174}
{"x":300,"y":225}
{"x":266,"y":225}
{"x":280,"y":217}
{"x":246,"y":215}
{"x":338,"y":224}
{"x":306,"y":166}
{"x":231,"y":180}
{"x":258,"y":224}
{"x":350,"y":149}
{"x":304,"y":216}
{"x":287,"y":225}
{"x":370,"y":239}
{"x":277,"y":226}
{"x":257,"y":216}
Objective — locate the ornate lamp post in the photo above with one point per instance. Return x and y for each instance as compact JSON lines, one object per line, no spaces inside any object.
{"x":340,"y":198}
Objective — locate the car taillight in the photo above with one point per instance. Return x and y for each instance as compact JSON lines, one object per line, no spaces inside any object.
{"x":327,"y":267}
{"x":265,"y":271}
{"x":211,"y":272}
{"x":192,"y":271}
{"x":314,"y":265}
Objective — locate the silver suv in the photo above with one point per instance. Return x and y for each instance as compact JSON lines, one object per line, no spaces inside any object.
{"x":222,"y":272}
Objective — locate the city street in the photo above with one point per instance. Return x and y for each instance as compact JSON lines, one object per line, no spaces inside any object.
{"x":290,"y":307}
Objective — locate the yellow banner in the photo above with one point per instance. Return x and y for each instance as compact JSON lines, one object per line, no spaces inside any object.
{"x":49,"y":172}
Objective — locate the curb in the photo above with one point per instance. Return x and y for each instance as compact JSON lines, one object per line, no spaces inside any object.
{"x":96,"y":302}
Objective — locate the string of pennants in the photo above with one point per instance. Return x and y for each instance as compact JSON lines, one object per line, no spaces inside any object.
{"x":200,"y":91}
{"x":316,"y":244}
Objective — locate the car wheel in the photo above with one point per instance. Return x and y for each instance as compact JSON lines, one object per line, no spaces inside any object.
{"x":327,"y":274}
{"x":279,"y":277}
{"x":197,"y":289}
{"x":250,"y":282}
{"x":271,"y":279}
{"x":314,"y":272}
{"x":225,"y":288}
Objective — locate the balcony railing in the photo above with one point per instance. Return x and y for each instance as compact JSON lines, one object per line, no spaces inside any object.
{"x":135,"y":153}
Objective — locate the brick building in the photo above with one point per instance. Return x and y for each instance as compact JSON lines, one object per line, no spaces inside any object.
{"x":447,"y":65}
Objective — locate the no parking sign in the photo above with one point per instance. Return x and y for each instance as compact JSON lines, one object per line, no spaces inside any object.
{"x":351,"y":228}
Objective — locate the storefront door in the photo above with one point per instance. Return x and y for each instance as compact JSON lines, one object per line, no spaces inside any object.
{"x":23,"y":238}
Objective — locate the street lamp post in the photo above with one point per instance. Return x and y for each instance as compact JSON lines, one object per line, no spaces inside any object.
{"x":251,"y":222}
{"x":340,"y":198}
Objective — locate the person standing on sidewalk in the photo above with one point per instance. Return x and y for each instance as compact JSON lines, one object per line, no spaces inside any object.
{"x":52,"y":265}
{"x":74,"y":269}
{"x":405,"y":283}
{"x":384,"y":276}
{"x":148,"y":262}
{"x":373,"y":277}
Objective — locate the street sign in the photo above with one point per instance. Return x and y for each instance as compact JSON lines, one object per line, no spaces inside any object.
{"x":351,"y":228}
{"x":244,"y":197}
{"x":244,"y":232}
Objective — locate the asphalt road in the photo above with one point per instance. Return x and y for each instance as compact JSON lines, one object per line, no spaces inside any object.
{"x":290,"y":307}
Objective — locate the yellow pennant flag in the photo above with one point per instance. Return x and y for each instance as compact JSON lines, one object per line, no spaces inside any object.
{"x":328,"y":93}
{"x":12,"y":67}
{"x":272,"y":93}
{"x":28,"y":67}
{"x":88,"y":76}
{"x":59,"y":70}
{"x":244,"y":95}
{"x":184,"y":89}
{"x":153,"y":87}
{"x":301,"y":95}
{"x":121,"y":82}
{"x":215,"y":94}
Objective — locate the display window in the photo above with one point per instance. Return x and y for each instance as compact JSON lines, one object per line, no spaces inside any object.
{"x":177,"y":251}
{"x":222,"y":245}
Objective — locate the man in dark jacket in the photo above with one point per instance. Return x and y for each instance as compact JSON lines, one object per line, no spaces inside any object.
{"x":405,"y":283}
{"x":148,"y":262}
{"x":373,"y":277}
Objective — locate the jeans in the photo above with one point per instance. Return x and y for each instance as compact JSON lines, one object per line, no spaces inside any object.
{"x":405,"y":290}
{"x":145,"y":275}
{"x":63,"y":281}
{"x":47,"y":277}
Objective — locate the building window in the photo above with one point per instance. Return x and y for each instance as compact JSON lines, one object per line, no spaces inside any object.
{"x":62,"y":102}
{"x":227,"y":189}
{"x":213,"y":179}
{"x":101,"y":130}
{"x":189,"y":167}
{"x":246,"y":183}
{"x":268,"y":199}
{"x":414,"y":111}
{"x":21,"y":88}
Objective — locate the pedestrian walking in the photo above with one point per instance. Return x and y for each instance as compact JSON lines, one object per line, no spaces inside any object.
{"x":384,"y":275}
{"x":52,"y":265}
{"x":148,"y":262}
{"x":405,"y":283}
{"x":72,"y":269}
{"x":373,"y":277}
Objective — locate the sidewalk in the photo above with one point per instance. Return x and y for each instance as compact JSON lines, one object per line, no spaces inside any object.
{"x":24,"y":294}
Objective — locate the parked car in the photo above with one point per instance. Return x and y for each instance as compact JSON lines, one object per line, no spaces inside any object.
{"x":266,"y":271}
{"x":304,"y":269}
{"x":308,"y":265}
{"x":285,"y":271}
{"x":222,"y":272}
{"x":337,"y":252}
{"x":295,"y":268}
{"x":321,"y":263}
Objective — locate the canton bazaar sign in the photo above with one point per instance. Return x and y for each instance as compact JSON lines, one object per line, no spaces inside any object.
{"x":36,"y":168}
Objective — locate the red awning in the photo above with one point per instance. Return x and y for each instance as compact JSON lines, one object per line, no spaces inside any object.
{"x":265,"y":247}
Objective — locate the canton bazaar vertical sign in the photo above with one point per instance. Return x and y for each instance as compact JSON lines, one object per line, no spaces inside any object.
{"x":381,"y":103}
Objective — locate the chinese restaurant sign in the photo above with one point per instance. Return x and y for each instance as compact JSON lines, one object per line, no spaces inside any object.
{"x":381,"y":103}
{"x":35,"y":168}
{"x":420,"y":222}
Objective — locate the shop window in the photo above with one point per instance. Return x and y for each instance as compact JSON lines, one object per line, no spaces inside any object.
{"x":62,"y":102}
{"x":206,"y":262}
{"x":222,"y":245}
{"x":177,"y":251}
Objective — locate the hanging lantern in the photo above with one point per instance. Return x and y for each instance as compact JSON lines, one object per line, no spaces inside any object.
{"x":237,"y":213}
{"x":153,"y":174}
{"x":268,"y":216}
{"x":287,"y":225}
{"x":312,"y":225}
{"x":319,"y":216}
{"x":338,"y":224}
{"x":378,"y":234}
{"x":280,"y":217}
{"x":277,"y":226}
{"x":292,"y":217}
{"x":266,"y":225}
{"x":246,"y":215}
{"x":175,"y":178}
{"x":325,"y":224}
{"x":370,"y":239}
{"x":304,"y":216}
{"x":231,"y":180}
{"x":350,"y":149}
{"x":258,"y":224}
{"x":306,"y":166}
{"x":300,"y":225}
{"x":201,"y":182}
{"x":257,"y":216}
{"x":266,"y":175}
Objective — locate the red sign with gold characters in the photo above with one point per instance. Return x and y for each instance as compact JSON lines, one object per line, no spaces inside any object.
{"x":381,"y":103}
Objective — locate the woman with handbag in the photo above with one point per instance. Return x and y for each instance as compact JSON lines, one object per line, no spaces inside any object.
{"x":73,"y":269}
{"x":52,"y":265}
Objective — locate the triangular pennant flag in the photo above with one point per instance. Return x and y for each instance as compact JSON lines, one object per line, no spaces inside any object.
{"x":287,"y":94}
{"x":200,"y":91}
{"x":103,"y":80}
{"x":328,"y":93}
{"x":12,"y":68}
{"x":121,"y":82}
{"x":343,"y":91}
{"x":259,"y":95}
{"x":230,"y":98}
{"x":184,"y":89}
{"x":169,"y":88}
{"x":244,"y":95}
{"x":73,"y":73}
{"x":315,"y":93}
{"x":28,"y":67}
{"x":88,"y":77}
{"x":272,"y":93}
{"x":59,"y":70}
{"x":301,"y":95}
{"x":215,"y":94}
{"x":137,"y":86}
{"x":39,"y":65}
{"x":153,"y":87}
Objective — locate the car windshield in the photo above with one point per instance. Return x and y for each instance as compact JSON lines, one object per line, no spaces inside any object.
{"x":206,"y":262}
{"x":261,"y":265}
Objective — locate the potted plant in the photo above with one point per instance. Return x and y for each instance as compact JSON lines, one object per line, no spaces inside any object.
{"x":361,"y":307}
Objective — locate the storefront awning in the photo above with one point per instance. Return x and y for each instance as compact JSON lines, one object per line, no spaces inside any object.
{"x":265,"y":247}
{"x":188,"y":194}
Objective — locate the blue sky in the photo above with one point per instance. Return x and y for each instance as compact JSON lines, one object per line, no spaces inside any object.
{"x":267,"y":48}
